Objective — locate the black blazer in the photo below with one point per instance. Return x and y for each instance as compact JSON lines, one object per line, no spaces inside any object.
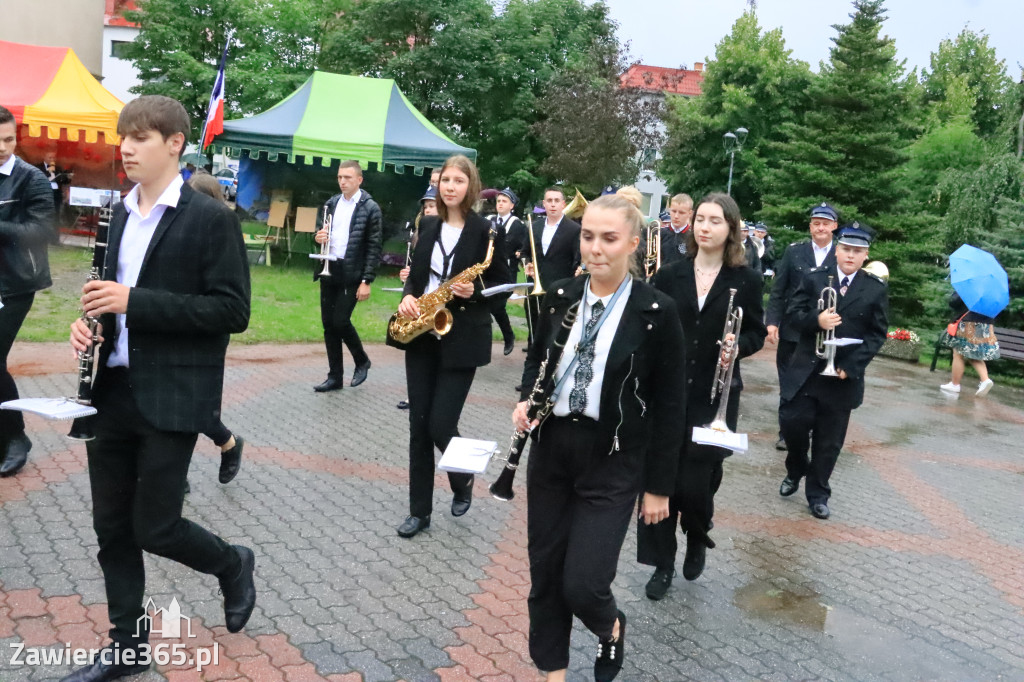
{"x":673,"y":246}
{"x":702,"y":328}
{"x":864,"y":310}
{"x":468,"y":343}
{"x":192,"y":293}
{"x":642,"y":387}
{"x":515,"y":242}
{"x":563,"y":255}
{"x":796,"y":262}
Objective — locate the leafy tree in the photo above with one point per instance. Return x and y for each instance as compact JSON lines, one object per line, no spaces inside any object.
{"x":968,"y":63}
{"x":752,"y":82}
{"x":274,"y":47}
{"x":850,"y":145}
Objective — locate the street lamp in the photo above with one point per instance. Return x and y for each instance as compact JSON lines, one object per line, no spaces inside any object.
{"x":733,"y":143}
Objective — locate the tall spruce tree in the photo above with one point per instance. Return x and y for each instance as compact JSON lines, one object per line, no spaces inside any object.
{"x":850,"y":145}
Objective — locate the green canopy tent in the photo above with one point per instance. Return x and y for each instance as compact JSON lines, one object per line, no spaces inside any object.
{"x":337,"y":118}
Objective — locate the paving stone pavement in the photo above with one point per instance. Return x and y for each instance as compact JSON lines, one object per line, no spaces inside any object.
{"x":918,"y":575}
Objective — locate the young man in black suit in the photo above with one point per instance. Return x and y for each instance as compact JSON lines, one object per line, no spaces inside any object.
{"x":176,"y":287}
{"x":509,"y":234}
{"x":820,"y":406}
{"x":797,"y":261}
{"x":356,"y":239}
{"x":26,"y":217}
{"x":557,"y":239}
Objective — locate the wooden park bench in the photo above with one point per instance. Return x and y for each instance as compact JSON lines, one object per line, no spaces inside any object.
{"x":1011,"y":345}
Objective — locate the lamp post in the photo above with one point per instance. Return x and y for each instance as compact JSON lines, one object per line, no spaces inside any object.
{"x":733,"y":142}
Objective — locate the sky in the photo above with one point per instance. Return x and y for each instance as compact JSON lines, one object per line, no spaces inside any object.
{"x":680,"y":32}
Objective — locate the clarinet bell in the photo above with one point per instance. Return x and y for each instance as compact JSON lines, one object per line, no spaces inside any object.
{"x":81,"y":429}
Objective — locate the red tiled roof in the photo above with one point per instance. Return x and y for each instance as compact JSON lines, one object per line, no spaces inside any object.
{"x":661,"y":79}
{"x":112,"y":15}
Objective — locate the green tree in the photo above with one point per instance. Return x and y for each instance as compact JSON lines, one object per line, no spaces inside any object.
{"x":849,"y":148}
{"x":752,"y":82}
{"x":274,"y":47}
{"x":967,"y":67}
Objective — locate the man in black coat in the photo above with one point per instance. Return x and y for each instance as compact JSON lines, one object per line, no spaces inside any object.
{"x":673,"y":236}
{"x":176,"y":286}
{"x":508,"y":242}
{"x":355,"y":239}
{"x":557,"y":239}
{"x":26,"y":218}
{"x":815,"y":411}
{"x":797,"y":261}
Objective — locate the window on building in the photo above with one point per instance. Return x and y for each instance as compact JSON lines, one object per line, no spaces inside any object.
{"x":117,"y":48}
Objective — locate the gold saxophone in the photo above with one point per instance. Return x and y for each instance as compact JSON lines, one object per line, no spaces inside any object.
{"x":434,"y":316}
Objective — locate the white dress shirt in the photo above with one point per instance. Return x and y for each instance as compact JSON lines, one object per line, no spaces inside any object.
{"x":603,"y":344}
{"x":450,"y":239}
{"x":548,"y":234}
{"x":138,"y":232}
{"x":8,"y":166}
{"x":820,"y":252}
{"x":341,"y":222}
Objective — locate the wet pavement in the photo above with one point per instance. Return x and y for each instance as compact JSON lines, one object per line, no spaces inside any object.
{"x":918,"y":575}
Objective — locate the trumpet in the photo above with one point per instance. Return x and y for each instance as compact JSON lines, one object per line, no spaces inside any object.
{"x":325,"y":249}
{"x":722,"y":384}
{"x":824,"y":346}
{"x":652,"y":260}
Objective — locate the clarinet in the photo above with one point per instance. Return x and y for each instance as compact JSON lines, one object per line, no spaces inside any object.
{"x":539,"y":407}
{"x":81,"y":428}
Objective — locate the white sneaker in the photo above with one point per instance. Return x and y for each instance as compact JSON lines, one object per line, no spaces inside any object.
{"x":984,"y":387}
{"x":950,"y":388}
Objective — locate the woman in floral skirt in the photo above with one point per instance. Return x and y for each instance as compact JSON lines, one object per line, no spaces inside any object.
{"x":975,"y":341}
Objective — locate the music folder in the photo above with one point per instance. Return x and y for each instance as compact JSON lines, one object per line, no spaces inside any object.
{"x":737,"y":442}
{"x":467,"y":455}
{"x":59,"y":409}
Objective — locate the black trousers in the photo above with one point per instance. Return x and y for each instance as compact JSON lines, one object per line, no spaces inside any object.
{"x":219,"y":434}
{"x":693,"y":504}
{"x":137,"y":475}
{"x":12,"y":315}
{"x":810,"y":421}
{"x":532,"y":317}
{"x":497,"y":307}
{"x":783,"y":354}
{"x":337,"y":301}
{"x":436,"y":398}
{"x":579,"y":503}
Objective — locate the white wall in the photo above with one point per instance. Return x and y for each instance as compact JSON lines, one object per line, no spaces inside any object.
{"x":118,"y":74}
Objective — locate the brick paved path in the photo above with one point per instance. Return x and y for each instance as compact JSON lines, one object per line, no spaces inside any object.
{"x":919,"y":575}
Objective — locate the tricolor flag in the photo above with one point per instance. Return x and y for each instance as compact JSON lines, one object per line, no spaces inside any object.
{"x":214,"y":124}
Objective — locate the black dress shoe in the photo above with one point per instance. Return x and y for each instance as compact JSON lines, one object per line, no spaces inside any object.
{"x":413,"y":525}
{"x":780,"y":444}
{"x":789,"y":486}
{"x":696,"y":556}
{"x":462,"y":500}
{"x":403,"y":405}
{"x":610,"y":654}
{"x":820,"y":510}
{"x":15,"y":455}
{"x":359,"y":375}
{"x":329,"y":385}
{"x":231,"y":461}
{"x":240,"y":591}
{"x":659,"y":583}
{"x":101,"y":672}
{"x":510,"y":345}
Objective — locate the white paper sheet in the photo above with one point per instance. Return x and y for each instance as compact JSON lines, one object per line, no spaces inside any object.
{"x":737,"y":442}
{"x":843,"y":342}
{"x":467,"y":455}
{"x":51,"y":408}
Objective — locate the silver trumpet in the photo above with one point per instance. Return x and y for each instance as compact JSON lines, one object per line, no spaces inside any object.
{"x":325,"y":249}
{"x":723,"y":370}
{"x":824,"y":342}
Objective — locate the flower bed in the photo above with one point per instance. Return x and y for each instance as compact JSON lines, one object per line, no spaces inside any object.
{"x":902,"y":344}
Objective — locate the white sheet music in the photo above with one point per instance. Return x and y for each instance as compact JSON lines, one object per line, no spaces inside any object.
{"x":467,"y":455}
{"x":502,"y":288}
{"x":51,"y":408}
{"x":737,"y":442}
{"x":843,"y":342}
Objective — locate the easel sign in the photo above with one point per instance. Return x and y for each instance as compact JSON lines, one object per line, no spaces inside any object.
{"x":93,"y":198}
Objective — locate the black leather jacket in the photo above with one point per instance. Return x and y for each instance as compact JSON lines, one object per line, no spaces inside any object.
{"x":26,"y":225}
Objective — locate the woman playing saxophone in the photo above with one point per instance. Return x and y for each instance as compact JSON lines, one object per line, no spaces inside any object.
{"x":439,"y":369}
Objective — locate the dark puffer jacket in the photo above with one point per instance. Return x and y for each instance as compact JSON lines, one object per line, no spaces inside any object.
{"x":365,"y":240}
{"x":26,"y":225}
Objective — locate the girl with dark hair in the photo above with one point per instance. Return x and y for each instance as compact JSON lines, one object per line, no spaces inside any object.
{"x":439,"y":370}
{"x":700,"y":286}
{"x":611,"y":436}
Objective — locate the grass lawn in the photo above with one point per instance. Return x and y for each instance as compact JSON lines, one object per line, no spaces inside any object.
{"x":285,"y":302}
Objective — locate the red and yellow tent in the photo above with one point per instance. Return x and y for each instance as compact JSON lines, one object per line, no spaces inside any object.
{"x":49,"y":87}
